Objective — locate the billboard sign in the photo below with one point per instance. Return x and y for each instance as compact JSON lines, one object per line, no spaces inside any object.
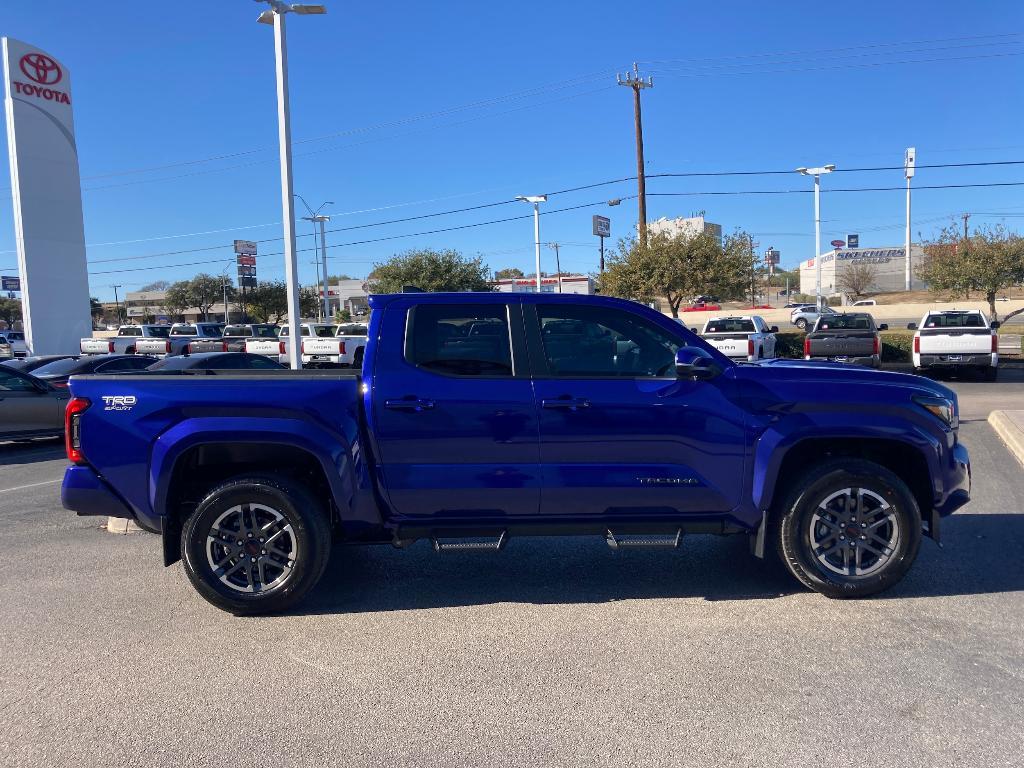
{"x":853,"y":241}
{"x":246,"y":261}
{"x":47,"y":196}
{"x":602,"y":226}
{"x":838,"y":243}
{"x":8,"y":283}
{"x":772,"y":256}
{"x":247,"y":247}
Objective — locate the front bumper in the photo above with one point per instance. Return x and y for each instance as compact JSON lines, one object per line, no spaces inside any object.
{"x":85,"y":493}
{"x":958,"y":482}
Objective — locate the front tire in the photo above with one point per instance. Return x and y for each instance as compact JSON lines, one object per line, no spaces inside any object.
{"x":801,"y":324}
{"x":256,"y":545}
{"x":849,"y":528}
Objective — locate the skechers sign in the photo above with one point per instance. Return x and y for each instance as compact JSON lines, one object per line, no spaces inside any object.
{"x":863,"y":255}
{"x":47,"y":199}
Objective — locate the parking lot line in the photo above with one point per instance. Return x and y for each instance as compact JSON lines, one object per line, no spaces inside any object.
{"x":31,"y":485}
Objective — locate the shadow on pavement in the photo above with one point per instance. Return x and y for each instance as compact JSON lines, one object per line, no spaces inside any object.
{"x":31,"y":451}
{"x":982,"y":554}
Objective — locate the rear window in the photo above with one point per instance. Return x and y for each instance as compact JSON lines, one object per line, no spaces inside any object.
{"x":264,"y":331}
{"x":14,"y":335}
{"x":129,"y":332}
{"x":351,"y":330}
{"x":954,"y":320}
{"x":730,"y":325}
{"x":160,"y":331}
{"x":845,"y":323}
{"x":61,"y":367}
{"x":235,"y":331}
{"x":184,"y":330}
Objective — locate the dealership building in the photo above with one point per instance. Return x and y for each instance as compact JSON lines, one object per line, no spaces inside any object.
{"x":580,"y":284}
{"x":889,"y":266}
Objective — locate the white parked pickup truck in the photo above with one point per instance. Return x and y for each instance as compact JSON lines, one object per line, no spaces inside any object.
{"x":747,"y":337}
{"x":956,"y":339}
{"x":178,"y":340}
{"x":353,"y":343}
{"x":319,"y":345}
{"x":126,"y":340}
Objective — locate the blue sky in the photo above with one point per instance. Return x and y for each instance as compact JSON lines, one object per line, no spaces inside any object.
{"x":404,"y":109}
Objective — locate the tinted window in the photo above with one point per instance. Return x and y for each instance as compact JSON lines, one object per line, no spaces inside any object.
{"x":264,"y":331}
{"x":175,"y":363}
{"x":12,"y":382}
{"x":160,"y":331}
{"x":237,"y":331}
{"x":730,"y":325}
{"x":351,"y":330}
{"x":954,"y":320}
{"x":62,"y":367}
{"x":442,"y":339}
{"x":592,"y":341}
{"x":845,"y":322}
{"x":323,"y":331}
{"x":124,"y":364}
{"x":129,"y":332}
{"x":184,"y":330}
{"x":14,"y":335}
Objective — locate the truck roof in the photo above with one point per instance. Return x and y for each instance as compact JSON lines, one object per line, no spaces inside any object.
{"x":381,"y":300}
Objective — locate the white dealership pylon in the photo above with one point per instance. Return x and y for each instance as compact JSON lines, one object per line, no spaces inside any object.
{"x":47,"y":194}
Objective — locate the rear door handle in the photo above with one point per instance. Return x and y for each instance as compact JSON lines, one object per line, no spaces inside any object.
{"x":566,"y":402}
{"x":413,"y":404}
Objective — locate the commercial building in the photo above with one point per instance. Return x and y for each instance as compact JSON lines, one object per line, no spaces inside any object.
{"x":348,"y":294}
{"x":579,"y":284}
{"x":888,"y":267}
{"x":688,"y":226}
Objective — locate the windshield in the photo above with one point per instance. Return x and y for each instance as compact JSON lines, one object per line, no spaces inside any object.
{"x":954,"y":320}
{"x":845,"y":322}
{"x":730,"y":325}
{"x":14,"y":335}
{"x":61,"y":367}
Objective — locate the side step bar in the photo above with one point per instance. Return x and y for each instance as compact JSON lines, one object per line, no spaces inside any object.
{"x":468,"y":545}
{"x":637,"y":541}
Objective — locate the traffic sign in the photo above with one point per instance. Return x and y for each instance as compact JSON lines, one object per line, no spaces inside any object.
{"x":245,"y":246}
{"x":838,"y":243}
{"x":602,"y":226}
{"x":8,"y":283}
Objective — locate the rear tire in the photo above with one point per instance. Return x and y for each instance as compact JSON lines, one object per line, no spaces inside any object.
{"x":256,"y":545}
{"x":849,"y":528}
{"x":801,"y":324}
{"x":357,"y":358}
{"x":991,"y":373}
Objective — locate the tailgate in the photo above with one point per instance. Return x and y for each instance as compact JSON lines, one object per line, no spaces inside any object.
{"x":94,"y":346}
{"x":960,"y":341}
{"x":858,"y":344}
{"x":152,"y":346}
{"x":730,"y":345}
{"x":321,"y":346}
{"x":206,"y":345}
{"x":271,"y":347}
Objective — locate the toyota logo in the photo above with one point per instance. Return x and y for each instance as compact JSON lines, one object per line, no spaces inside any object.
{"x":41,"y":68}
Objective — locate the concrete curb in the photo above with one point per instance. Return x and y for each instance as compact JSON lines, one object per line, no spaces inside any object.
{"x":122,"y":526}
{"x":1009,"y":425}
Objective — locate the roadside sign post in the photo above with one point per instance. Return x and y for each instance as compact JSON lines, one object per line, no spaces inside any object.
{"x":602,"y":228}
{"x":245,"y":260}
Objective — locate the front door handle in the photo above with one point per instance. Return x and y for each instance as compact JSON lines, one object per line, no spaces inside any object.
{"x":566,"y":402}
{"x":412,"y":404}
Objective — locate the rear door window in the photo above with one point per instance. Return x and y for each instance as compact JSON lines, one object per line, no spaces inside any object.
{"x":460,"y":339}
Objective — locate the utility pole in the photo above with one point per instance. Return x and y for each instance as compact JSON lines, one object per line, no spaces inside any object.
{"x":319,"y":286}
{"x":750,"y":240}
{"x":224,"y":287}
{"x":117,"y":303}
{"x":965,"y":217}
{"x":558,"y":263}
{"x":909,"y":160}
{"x":637,"y":83}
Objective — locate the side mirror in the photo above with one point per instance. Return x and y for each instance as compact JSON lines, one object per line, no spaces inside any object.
{"x":695,"y":364}
{"x":883,"y":327}
{"x":775,"y":329}
{"x":994,"y":324}
{"x":694,"y":330}
{"x":911,"y":326}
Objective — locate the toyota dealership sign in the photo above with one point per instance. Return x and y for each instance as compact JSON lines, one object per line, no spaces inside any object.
{"x":47,"y":197}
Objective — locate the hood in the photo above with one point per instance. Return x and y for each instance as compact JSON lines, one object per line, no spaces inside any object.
{"x":808,"y":375}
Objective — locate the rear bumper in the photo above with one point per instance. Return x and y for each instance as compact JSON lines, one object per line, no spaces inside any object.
{"x":86,"y":493}
{"x":870,"y":361}
{"x":974,"y":360}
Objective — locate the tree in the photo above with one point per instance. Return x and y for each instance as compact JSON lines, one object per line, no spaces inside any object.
{"x":989,"y":261}
{"x":157,"y":285}
{"x":10,"y":311}
{"x":856,"y":278}
{"x":679,"y":267}
{"x":337,"y":278}
{"x":95,"y":308}
{"x":430,"y":270}
{"x":508,"y":273}
{"x":268,"y":302}
{"x":204,"y":291}
{"x":177,"y":299}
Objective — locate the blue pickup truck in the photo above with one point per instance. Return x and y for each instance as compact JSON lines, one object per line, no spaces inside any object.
{"x":481,"y":417}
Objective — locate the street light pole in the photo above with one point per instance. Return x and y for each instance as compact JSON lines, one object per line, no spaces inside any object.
{"x":536,"y":200}
{"x":314,"y":217}
{"x":117,"y":304}
{"x":276,"y":15}
{"x":909,"y":160}
{"x":817,"y":173}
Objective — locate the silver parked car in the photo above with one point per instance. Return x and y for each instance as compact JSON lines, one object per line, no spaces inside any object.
{"x":802,"y":317}
{"x":29,"y":407}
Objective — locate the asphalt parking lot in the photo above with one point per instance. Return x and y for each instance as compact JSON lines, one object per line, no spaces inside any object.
{"x":553,"y":652}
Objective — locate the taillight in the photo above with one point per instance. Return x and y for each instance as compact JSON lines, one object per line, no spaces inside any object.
{"x":807,"y":347}
{"x":877,"y":348}
{"x":224,"y":346}
{"x":110,"y":346}
{"x":917,"y":345}
{"x":995,"y":343}
{"x":282,"y":349}
{"x":167,"y":346}
{"x":750,"y":347}
{"x":188,"y":348}
{"x":59,"y":384}
{"x":73,"y":429}
{"x":302,"y":347}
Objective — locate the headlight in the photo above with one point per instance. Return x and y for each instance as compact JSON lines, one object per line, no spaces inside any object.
{"x":941,"y":407}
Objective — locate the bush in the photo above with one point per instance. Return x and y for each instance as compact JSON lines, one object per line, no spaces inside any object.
{"x":789,"y":344}
{"x":897,"y":346}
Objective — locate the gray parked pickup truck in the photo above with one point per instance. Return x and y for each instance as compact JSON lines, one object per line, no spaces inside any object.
{"x":845,"y":338}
